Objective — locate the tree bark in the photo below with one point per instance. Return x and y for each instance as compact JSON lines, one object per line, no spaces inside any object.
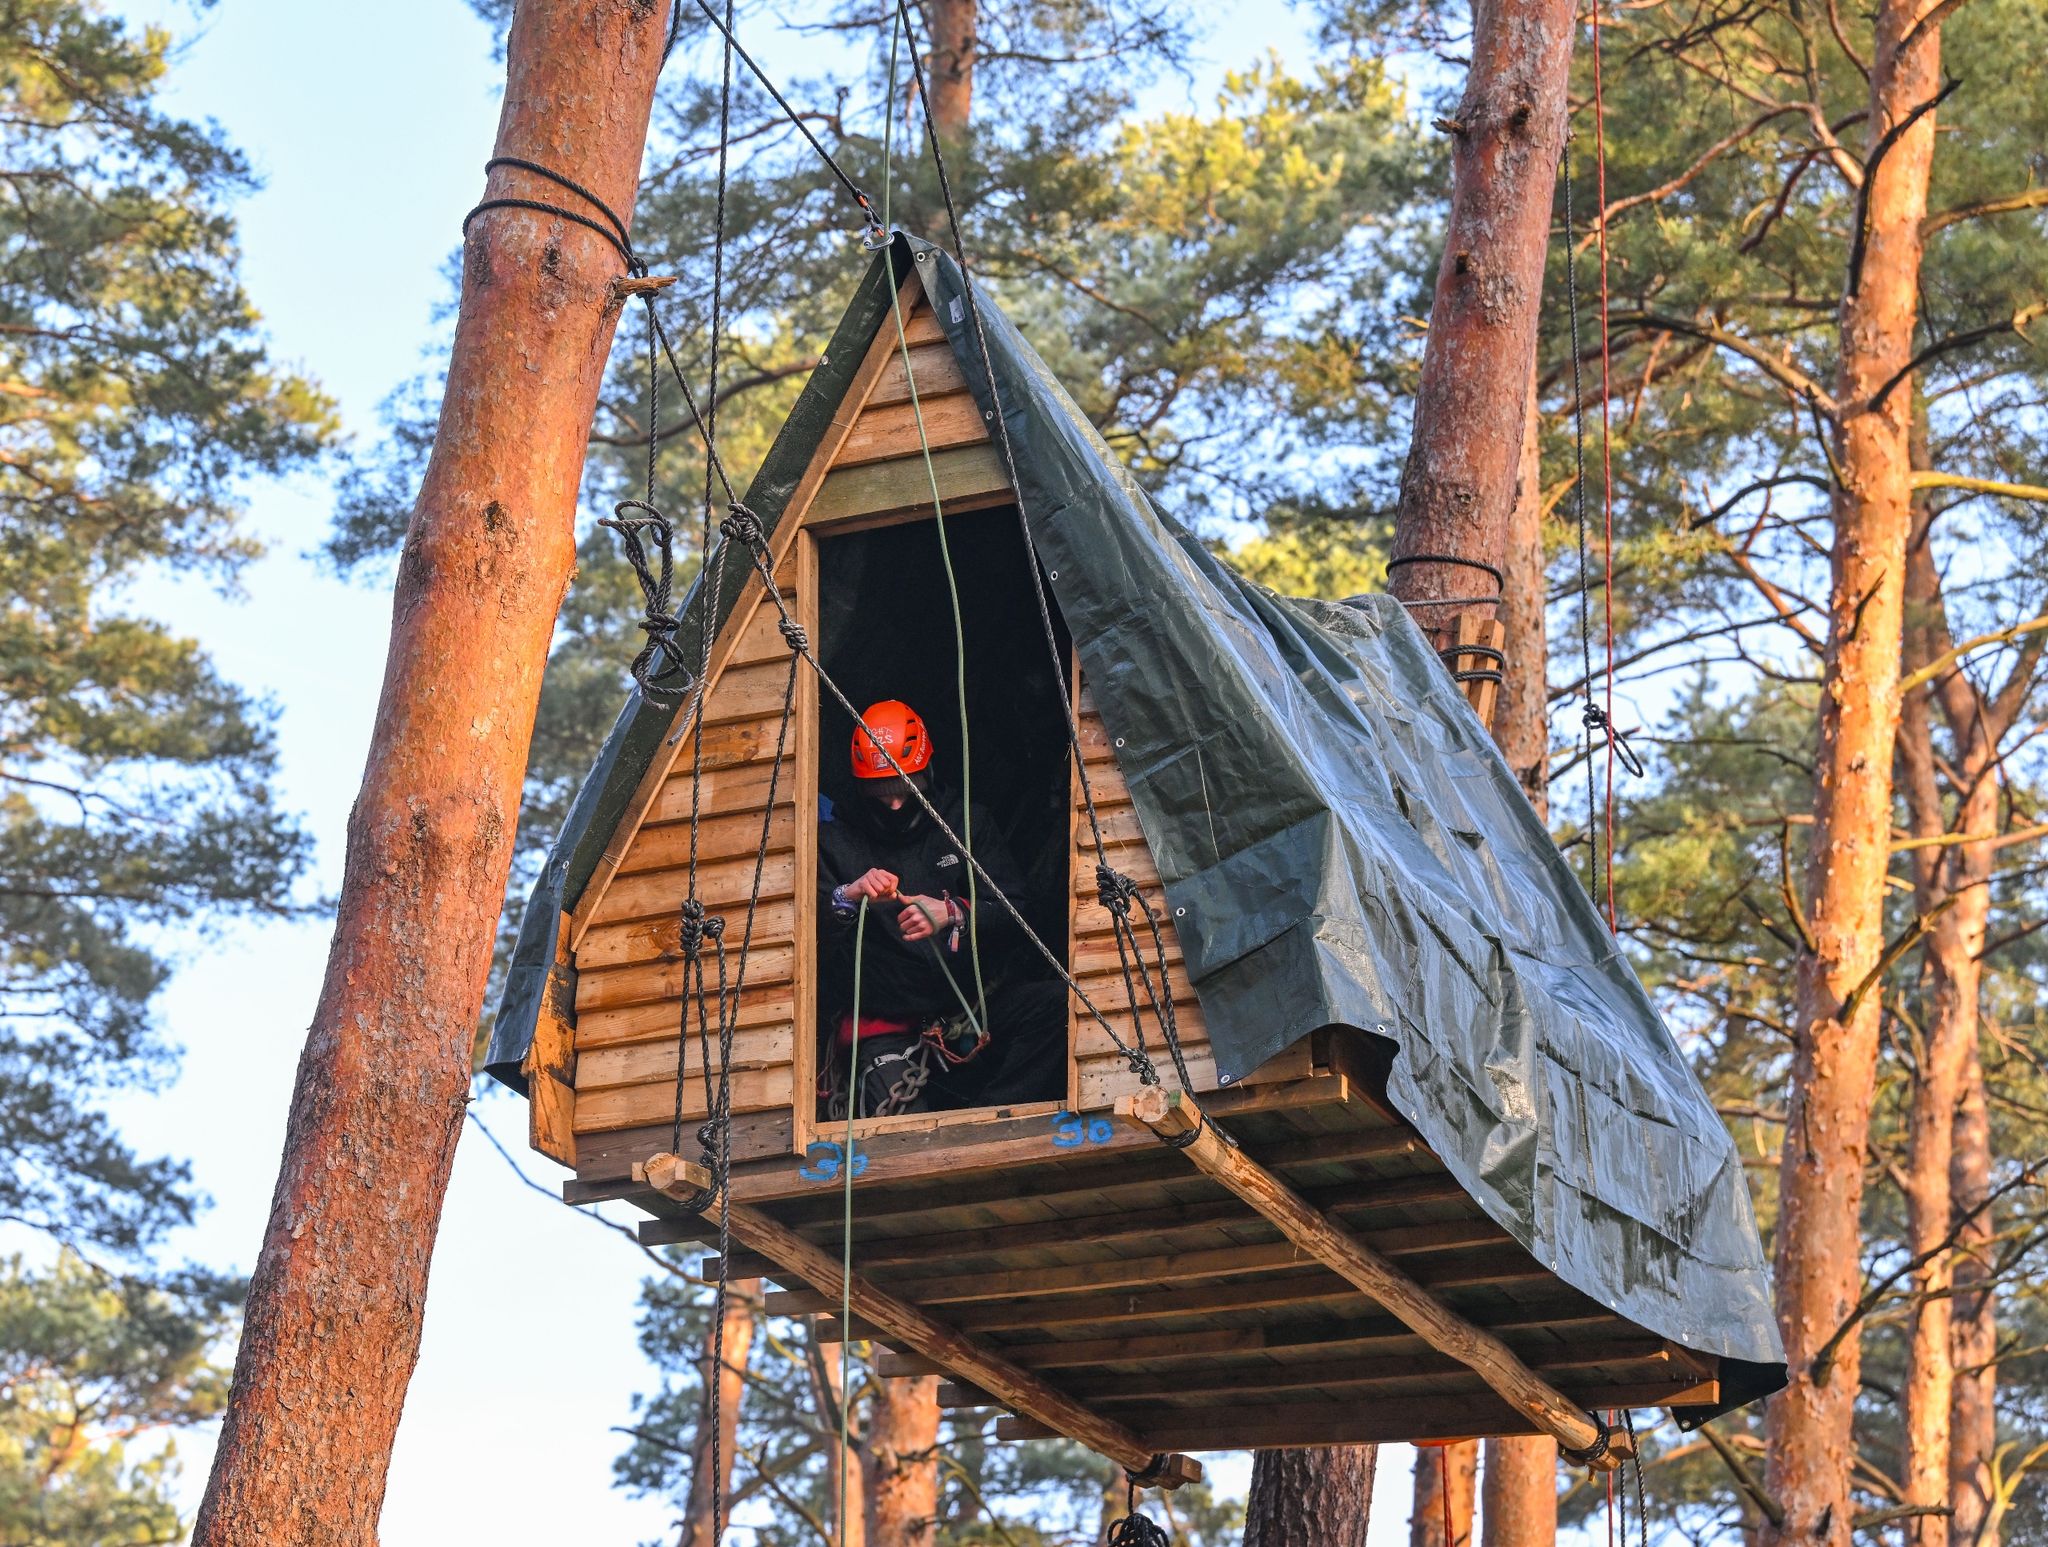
{"x":1521,"y":714}
{"x":1519,"y":1492}
{"x":1818,"y":1241}
{"x":955,"y":28}
{"x":1470,"y":454}
{"x":1464,"y":457}
{"x":847,"y":1514}
{"x":708,"y":1482}
{"x":1435,"y":1466}
{"x":1973,"y":1423}
{"x":334,"y":1312}
{"x":1317,"y":1497}
{"x":903,"y":1462}
{"x":1947,"y":1443}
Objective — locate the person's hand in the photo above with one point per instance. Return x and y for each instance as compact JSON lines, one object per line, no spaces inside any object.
{"x":877,"y":885}
{"x":923,"y":917}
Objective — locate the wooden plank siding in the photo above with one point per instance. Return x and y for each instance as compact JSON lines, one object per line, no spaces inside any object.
{"x":626,"y":930}
{"x":630,"y":1009}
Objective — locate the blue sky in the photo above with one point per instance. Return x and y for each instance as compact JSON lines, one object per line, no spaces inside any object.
{"x":370,"y":124}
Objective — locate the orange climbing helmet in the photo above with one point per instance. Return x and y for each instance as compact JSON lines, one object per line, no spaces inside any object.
{"x":894,"y":725}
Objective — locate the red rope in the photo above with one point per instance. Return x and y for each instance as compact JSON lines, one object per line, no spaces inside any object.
{"x":1606,"y":439}
{"x":1443,"y":1474}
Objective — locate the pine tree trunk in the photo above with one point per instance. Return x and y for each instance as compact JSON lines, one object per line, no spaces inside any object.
{"x":711,"y":1478}
{"x":1434,"y":1466}
{"x":903,"y":1462}
{"x":1960,"y":872}
{"x":1521,"y":715}
{"x":1318,"y":1497}
{"x":1519,"y":1492}
{"x":955,"y":28}
{"x":1464,"y":457}
{"x":334,"y":1312}
{"x":1818,"y":1240}
{"x":845,"y":1465}
{"x":1973,"y":1423}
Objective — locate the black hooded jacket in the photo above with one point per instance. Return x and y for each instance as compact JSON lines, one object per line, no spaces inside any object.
{"x":903,"y":978}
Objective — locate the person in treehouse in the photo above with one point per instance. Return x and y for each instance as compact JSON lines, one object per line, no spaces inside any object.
{"x":929,"y":1039}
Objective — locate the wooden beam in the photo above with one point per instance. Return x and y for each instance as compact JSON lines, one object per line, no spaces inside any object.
{"x":907,"y":1324}
{"x":1397,"y":1377}
{"x":1247,"y":1426}
{"x":1113,"y":1272}
{"x":1173,"y":1116}
{"x":1544,"y":1321}
{"x":1507,"y":1264}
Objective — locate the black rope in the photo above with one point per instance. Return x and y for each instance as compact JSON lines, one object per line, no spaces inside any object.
{"x":1603,"y":1441}
{"x":876,"y":236}
{"x":1635,"y":1462}
{"x":1137,"y":1529}
{"x":1500,"y":580}
{"x":1119,"y":887}
{"x":745,"y":528}
{"x":660,"y":655}
{"x":612,"y":229}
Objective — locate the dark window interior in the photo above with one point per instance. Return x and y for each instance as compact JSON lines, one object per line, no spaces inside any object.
{"x":886,"y":631}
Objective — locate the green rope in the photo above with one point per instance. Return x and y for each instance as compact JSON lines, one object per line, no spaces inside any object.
{"x":860,"y":930}
{"x":945,"y":554}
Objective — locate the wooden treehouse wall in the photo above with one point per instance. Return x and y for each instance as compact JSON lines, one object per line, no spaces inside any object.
{"x":624,"y":938}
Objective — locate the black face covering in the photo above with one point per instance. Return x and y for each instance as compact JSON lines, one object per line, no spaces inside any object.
{"x":906,"y":820}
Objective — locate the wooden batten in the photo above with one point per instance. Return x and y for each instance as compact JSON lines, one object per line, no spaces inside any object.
{"x":550,"y":1065}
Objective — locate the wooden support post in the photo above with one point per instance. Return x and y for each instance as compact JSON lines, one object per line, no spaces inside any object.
{"x":1474,"y":646}
{"x":1174,"y":1117}
{"x":910,"y":1327}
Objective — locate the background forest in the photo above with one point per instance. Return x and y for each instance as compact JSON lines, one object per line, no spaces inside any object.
{"x":1233,"y":279}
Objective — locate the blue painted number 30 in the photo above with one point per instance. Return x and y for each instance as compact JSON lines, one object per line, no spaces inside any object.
{"x":828,"y":1159}
{"x":1070,"y":1130}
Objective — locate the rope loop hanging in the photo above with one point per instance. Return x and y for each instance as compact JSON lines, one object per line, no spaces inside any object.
{"x":660,"y":669}
{"x":1137,"y":1529}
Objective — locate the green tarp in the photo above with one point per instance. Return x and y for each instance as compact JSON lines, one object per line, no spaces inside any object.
{"x":1340,"y":843}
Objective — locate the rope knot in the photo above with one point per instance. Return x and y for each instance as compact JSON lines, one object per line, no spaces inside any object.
{"x":1115,"y":890}
{"x":714,"y":928}
{"x":693,"y":928}
{"x":1603,"y":1437}
{"x":1597,"y":720}
{"x":659,"y":670}
{"x":793,"y":635}
{"x":742,"y":526}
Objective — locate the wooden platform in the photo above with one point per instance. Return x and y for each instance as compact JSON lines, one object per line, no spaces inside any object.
{"x":1091,"y":1254}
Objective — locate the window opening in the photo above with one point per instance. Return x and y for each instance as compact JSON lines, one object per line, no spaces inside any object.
{"x":886,"y":635}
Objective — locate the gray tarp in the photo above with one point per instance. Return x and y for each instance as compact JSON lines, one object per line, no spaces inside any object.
{"x":1340,"y":843}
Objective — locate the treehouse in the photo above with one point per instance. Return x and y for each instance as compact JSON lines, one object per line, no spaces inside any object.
{"x":1438,"y":1169}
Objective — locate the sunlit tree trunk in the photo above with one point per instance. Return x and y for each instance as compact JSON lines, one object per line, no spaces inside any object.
{"x":1464,"y":456}
{"x":903,"y":1466}
{"x":1973,"y":1424}
{"x":711,"y":1477}
{"x":845,"y":1464}
{"x":1954,"y":878}
{"x":1518,"y":1492}
{"x":1317,"y":1497}
{"x":335,"y":1306}
{"x":1818,"y":1239}
{"x":1521,"y":714}
{"x":1436,"y":1467}
{"x":955,"y":39}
